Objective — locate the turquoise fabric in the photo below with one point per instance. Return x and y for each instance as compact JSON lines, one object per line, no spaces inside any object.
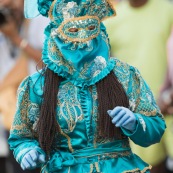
{"x":31,"y":9}
{"x":77,"y":109}
{"x":82,"y":58}
{"x":82,"y":63}
{"x":67,"y":9}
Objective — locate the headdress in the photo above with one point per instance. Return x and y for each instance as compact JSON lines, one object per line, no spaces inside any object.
{"x":76,"y":45}
{"x":100,"y":8}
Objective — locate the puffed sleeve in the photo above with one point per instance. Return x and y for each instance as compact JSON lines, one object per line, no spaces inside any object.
{"x":150,"y":122}
{"x":22,"y":135}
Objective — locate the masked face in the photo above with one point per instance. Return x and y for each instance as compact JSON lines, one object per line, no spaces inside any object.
{"x":80,"y":29}
{"x":83,"y":44}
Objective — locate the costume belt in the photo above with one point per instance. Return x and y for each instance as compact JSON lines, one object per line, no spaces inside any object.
{"x":88,"y":155}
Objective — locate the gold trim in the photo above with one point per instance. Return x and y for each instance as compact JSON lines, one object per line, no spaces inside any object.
{"x":130,"y":171}
{"x":69,"y":169}
{"x":51,"y":10}
{"x":146,"y":168}
{"x":97,"y":166}
{"x":137,"y":169}
{"x":112,"y":7}
{"x":69,"y":141}
{"x":108,"y":1}
{"x":43,"y":168}
{"x":121,"y":154}
{"x":75,"y":19}
{"x":91,"y":168}
{"x":152,"y":113}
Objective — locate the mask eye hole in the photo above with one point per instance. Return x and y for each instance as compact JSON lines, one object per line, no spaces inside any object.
{"x":92,"y":27}
{"x":73,"y":30}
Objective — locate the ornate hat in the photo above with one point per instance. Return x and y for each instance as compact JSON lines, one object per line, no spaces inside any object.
{"x":76,"y":45}
{"x":60,"y":10}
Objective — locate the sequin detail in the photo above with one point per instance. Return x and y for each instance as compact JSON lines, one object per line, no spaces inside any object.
{"x":81,"y":24}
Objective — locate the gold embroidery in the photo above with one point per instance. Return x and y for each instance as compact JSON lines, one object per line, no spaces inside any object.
{"x":108,"y":1}
{"x":137,"y":170}
{"x":146,"y":113}
{"x":91,"y":168}
{"x":106,"y":156}
{"x":59,"y":57}
{"x":94,"y":112}
{"x":97,"y":166}
{"x":60,"y":29}
{"x":70,"y":110}
{"x":140,"y":98}
{"x":112,"y":7}
{"x":43,"y":169}
{"x":51,"y":10}
{"x":69,"y":141}
{"x":21,"y":124}
{"x":145,"y":169}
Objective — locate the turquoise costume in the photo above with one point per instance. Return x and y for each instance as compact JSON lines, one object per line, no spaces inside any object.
{"x":77,"y":107}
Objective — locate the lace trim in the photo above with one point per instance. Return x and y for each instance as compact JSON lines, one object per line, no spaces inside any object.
{"x":50,"y":15}
{"x":60,"y":29}
{"x":137,"y":170}
{"x":51,"y":10}
{"x":112,"y":7}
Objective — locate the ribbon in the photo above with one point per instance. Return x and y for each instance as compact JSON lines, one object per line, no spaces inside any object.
{"x":31,"y":9}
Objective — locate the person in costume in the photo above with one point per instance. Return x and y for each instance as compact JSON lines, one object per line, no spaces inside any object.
{"x":78,"y":113}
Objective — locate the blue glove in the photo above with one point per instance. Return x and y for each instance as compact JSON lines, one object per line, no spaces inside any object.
{"x":32,"y":159}
{"x":123,"y":117}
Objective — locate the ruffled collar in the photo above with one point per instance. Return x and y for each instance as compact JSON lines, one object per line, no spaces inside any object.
{"x":80,"y":82}
{"x":83,"y":65}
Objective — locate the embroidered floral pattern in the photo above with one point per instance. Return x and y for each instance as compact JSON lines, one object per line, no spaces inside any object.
{"x":141,"y":99}
{"x":132,"y":104}
{"x":99,"y":64}
{"x":33,"y":114}
{"x":21,"y":125}
{"x":142,"y":122}
{"x":82,"y":25}
{"x":61,"y":11}
{"x":56,"y":57}
{"x":92,"y":69}
{"x":70,"y":10}
{"x":69,"y":109}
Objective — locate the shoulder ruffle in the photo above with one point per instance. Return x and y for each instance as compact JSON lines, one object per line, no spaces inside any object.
{"x":63,"y":70}
{"x":77,"y":81}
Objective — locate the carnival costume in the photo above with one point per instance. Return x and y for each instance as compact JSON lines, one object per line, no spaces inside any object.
{"x":82,"y":58}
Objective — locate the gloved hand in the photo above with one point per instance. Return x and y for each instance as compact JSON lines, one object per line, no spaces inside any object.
{"x":32,"y":159}
{"x":123,"y":117}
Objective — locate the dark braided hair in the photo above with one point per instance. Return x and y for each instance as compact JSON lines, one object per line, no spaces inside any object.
{"x":47,"y":125}
{"x":110,"y":94}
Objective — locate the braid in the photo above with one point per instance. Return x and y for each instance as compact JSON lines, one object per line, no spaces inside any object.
{"x":47,"y":125}
{"x":110,"y":94}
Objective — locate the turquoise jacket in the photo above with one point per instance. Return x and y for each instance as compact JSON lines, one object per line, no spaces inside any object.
{"x":77,"y":107}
